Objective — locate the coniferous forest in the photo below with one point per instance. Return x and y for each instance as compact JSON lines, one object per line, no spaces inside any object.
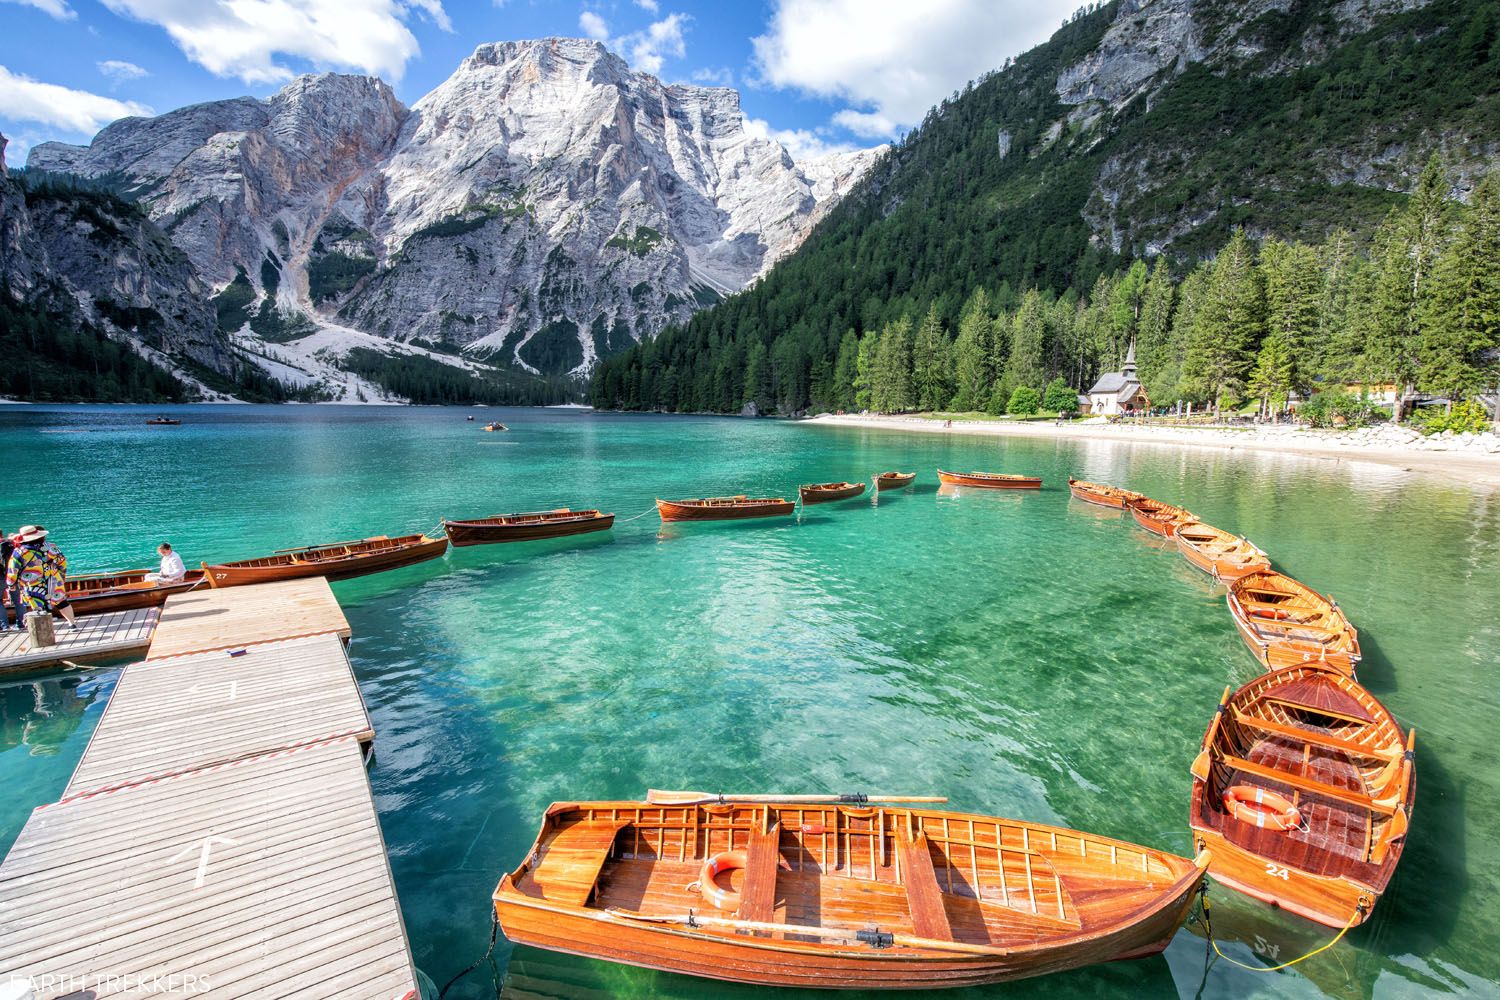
{"x":953,"y":279}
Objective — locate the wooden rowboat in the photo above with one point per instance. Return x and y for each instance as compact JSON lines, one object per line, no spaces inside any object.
{"x":336,"y":560}
{"x":825,"y":492}
{"x":990,"y":480}
{"x":1218,"y":553}
{"x":526,"y":527}
{"x":1157,"y":517}
{"x":1104,"y":496}
{"x":163,"y":422}
{"x":787,"y":893}
{"x":497,"y":426}
{"x":893,"y":480}
{"x":1303,"y":792}
{"x":1285,"y":623}
{"x":723,"y":508}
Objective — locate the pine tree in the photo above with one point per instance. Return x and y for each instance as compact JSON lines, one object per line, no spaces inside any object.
{"x":845,"y":371}
{"x":931,"y":382}
{"x":1125,"y":302}
{"x":1294,"y":287}
{"x":1460,"y":316}
{"x":1406,"y":248}
{"x":890,"y":389}
{"x":864,"y":369}
{"x":1338,"y":343}
{"x":757,"y":377}
{"x":1273,"y":377}
{"x":1227,"y":326}
{"x":1028,"y":332}
{"x":973,"y":371}
{"x":1158,"y":363}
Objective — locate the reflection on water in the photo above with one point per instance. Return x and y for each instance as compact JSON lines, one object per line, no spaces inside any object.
{"x":41,"y":714}
{"x":1020,"y":652}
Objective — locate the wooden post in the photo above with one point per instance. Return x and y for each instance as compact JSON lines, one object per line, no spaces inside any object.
{"x":39,"y":629}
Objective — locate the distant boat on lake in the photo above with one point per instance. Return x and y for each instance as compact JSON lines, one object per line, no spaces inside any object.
{"x":723,"y":508}
{"x":1102,"y":495}
{"x":893,"y":480}
{"x":990,"y":480}
{"x":163,"y":422}
{"x":826,"y":492}
{"x":527,"y":526}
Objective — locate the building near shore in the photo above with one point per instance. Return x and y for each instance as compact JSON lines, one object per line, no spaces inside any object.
{"x":1118,"y":392}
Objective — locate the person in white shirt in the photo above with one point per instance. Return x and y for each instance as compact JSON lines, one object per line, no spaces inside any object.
{"x":172,"y":568}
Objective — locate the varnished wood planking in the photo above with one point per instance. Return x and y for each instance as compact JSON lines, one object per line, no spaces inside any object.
{"x":302,"y":904}
{"x":238,"y":616}
{"x":109,"y":636}
{"x":841,"y":868}
{"x":171,"y":715}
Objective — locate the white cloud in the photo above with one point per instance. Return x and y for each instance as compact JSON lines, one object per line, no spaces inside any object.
{"x":28,"y":100}
{"x":57,"y":8}
{"x":593,"y":25}
{"x":244,"y":38}
{"x":720,"y":77}
{"x":647,"y":5}
{"x":893,"y":59}
{"x":803,"y":144}
{"x":650,"y":47}
{"x":118,"y":70}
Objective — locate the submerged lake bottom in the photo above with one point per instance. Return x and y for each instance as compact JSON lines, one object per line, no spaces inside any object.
{"x":1023,"y":654}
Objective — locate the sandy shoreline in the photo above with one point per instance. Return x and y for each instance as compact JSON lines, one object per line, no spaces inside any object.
{"x":1461,"y":465}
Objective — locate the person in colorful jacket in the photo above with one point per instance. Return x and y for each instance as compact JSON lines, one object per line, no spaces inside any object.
{"x":40,"y":571}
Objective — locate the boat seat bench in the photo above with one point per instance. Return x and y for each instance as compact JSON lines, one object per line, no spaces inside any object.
{"x":762,"y":859}
{"x":1308,"y":785}
{"x":1312,"y":738}
{"x":571,"y":861}
{"x":924,"y":897}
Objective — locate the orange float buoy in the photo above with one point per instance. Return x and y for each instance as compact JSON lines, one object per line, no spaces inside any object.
{"x":725,"y":861}
{"x":1262,"y":808}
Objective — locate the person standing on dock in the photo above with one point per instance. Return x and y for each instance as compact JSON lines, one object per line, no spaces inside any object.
{"x":40,"y":571}
{"x":172,"y":568}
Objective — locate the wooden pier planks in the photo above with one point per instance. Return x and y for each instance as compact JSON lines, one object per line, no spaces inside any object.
{"x":111,"y":636}
{"x":238,"y":616}
{"x":173,"y":715}
{"x":266,"y":876}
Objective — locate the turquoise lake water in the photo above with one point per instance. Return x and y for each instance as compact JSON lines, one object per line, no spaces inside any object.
{"x":1023,"y":654}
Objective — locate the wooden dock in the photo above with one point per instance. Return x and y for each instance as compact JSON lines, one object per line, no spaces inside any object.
{"x":173,"y":715}
{"x":113,"y":636}
{"x":219,"y":828}
{"x":201,"y":620}
{"x":263,"y":877}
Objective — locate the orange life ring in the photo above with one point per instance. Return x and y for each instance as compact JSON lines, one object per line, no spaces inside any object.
{"x":726,"y":861}
{"x":1275,"y":615}
{"x":1262,"y":808}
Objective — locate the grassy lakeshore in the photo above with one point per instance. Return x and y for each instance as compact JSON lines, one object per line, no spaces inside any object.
{"x":1452,"y":458}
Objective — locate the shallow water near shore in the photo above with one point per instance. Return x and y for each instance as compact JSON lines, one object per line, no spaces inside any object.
{"x":1024,"y":654}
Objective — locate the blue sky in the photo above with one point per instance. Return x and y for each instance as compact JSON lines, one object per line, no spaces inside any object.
{"x":818,"y":74}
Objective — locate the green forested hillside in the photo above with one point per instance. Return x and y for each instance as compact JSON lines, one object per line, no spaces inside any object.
{"x":1051,"y":249}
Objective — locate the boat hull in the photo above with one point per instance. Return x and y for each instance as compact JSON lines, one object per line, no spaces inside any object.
{"x":893,"y":481}
{"x":988,"y":482}
{"x":1220,"y":565}
{"x":763,"y":962}
{"x":1328,"y":901}
{"x":1159,"y":520}
{"x":672,"y":510}
{"x":1103,"y":496}
{"x":814,"y":494}
{"x":344,"y":568}
{"x":462,"y":533}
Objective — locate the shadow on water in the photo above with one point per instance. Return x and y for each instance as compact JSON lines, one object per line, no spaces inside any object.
{"x":1375,"y":670}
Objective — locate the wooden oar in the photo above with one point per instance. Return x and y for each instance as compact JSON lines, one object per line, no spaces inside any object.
{"x":851,"y":935}
{"x":661,"y":798}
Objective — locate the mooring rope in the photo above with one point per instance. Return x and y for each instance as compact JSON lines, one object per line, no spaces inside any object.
{"x":1208,"y":927}
{"x":494,"y":931}
{"x":649,"y":510}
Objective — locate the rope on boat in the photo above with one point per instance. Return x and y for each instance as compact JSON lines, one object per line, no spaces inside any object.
{"x":1208,"y":927}
{"x":494,"y":930}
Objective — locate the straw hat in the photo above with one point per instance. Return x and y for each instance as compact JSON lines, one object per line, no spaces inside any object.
{"x":30,"y":533}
